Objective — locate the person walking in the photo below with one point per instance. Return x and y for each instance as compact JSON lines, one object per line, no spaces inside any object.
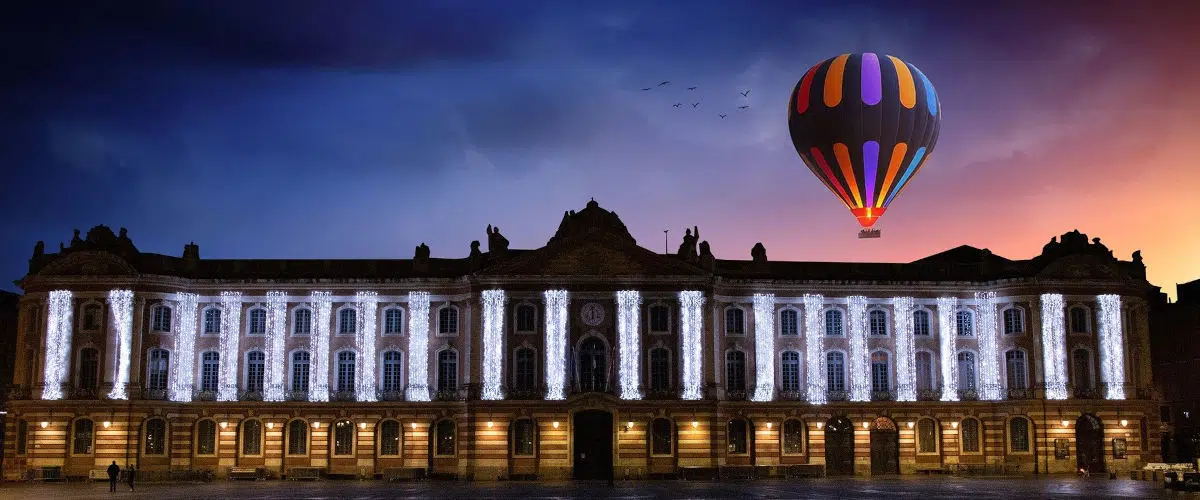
{"x":113,"y":471}
{"x":132,"y":472}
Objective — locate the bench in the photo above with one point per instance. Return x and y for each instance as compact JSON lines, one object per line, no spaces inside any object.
{"x":403,"y":473}
{"x":804,"y":470}
{"x":250,"y":473}
{"x":304,"y":473}
{"x":98,"y":475}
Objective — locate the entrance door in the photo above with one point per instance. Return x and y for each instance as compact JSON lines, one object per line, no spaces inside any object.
{"x":885,"y":447}
{"x":1089,"y":443}
{"x":592,"y":439}
{"x":839,"y":447}
{"x":592,"y":367}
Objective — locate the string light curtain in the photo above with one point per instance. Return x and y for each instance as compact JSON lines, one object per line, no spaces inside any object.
{"x":691,"y":302}
{"x":556,"y":343}
{"x":493,"y":344}
{"x":318,"y":382}
{"x":1054,"y":349}
{"x":860,"y":362}
{"x":366,"y":304}
{"x":120,"y":304}
{"x":231,"y":332}
{"x":58,"y":344}
{"x":814,"y":336}
{"x":629,"y":304}
{"x":902,"y":327}
{"x":948,"y":334}
{"x":418,"y":347}
{"x":764,"y":347}
{"x":183,"y":367}
{"x":1112,"y":347}
{"x":990,"y":388}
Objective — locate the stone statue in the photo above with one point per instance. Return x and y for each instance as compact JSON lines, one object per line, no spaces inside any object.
{"x":497,"y":243}
{"x":124,"y":234}
{"x":1137,"y":257}
{"x":705,"y":250}
{"x":422,"y":252}
{"x":475,"y":249}
{"x":75,"y":241}
{"x":759,"y":252}
{"x":40,"y":249}
{"x":687,"y":249}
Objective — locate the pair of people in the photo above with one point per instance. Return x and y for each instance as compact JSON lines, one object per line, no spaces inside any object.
{"x":114,"y":471}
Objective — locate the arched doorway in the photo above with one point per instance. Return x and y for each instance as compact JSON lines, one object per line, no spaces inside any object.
{"x":839,"y":447}
{"x":1089,"y":443}
{"x":885,"y":447}
{"x":592,"y":366}
{"x":592,"y":440}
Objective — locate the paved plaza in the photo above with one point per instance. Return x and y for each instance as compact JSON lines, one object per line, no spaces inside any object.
{"x":916,"y":488}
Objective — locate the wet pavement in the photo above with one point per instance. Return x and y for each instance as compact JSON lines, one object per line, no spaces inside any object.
{"x":916,"y":488}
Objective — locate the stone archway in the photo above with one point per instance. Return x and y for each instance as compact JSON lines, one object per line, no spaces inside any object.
{"x":885,"y":447}
{"x":839,"y":447}
{"x":1089,"y":443}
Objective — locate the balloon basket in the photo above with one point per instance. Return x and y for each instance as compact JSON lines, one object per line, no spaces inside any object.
{"x":868,"y":234}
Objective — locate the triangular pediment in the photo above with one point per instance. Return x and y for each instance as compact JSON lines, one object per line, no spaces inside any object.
{"x":592,"y":257}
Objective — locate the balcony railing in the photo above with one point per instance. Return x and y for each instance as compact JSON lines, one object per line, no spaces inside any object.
{"x":837,"y":396}
{"x":250,"y":396}
{"x":737,"y":395}
{"x":1020,"y":394}
{"x":390,"y":395}
{"x":154,"y":394}
{"x":206,"y":396}
{"x":968,"y":395}
{"x":1084,"y":392}
{"x":296,"y":396}
{"x":792,"y":396}
{"x":882,"y":396}
{"x":929,"y":394}
{"x":450,"y":395}
{"x":343,"y":396}
{"x":525,"y":393}
{"x":81,"y":393}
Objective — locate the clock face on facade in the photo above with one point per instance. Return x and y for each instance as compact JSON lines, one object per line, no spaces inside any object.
{"x":592,"y":314}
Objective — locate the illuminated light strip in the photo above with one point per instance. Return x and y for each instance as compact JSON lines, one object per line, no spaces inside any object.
{"x":418,"y":347}
{"x":990,"y":387}
{"x":764,"y":347}
{"x":832,"y":179}
{"x":814,"y":336}
{"x":1054,"y":349}
{"x":690,"y":324}
{"x":860,"y":367}
{"x":908,"y":89}
{"x":321,"y":304}
{"x":1112,"y":347}
{"x":902,"y":326}
{"x":912,"y":168}
{"x":842,"y":153}
{"x":58,"y":344}
{"x":872,"y":79}
{"x":120,"y":303}
{"x":493,"y":344}
{"x":948,"y":334}
{"x":893,"y":168}
{"x":231,"y":333}
{"x":804,"y":95}
{"x":931,"y":99}
{"x":183,"y":367}
{"x":629,"y":304}
{"x":833,"y":81}
{"x":556,"y":343}
{"x":276,"y":362}
{"x":870,"y":168}
{"x":366,"y":304}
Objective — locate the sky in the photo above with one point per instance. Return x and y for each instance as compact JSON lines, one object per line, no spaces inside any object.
{"x":360,"y":129}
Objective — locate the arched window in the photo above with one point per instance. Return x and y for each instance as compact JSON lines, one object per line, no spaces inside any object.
{"x":393,"y":321}
{"x":526,"y":318}
{"x":789,"y":371}
{"x":966,"y":371}
{"x":160,"y":317}
{"x":347,"y":321}
{"x":965,"y":323}
{"x":1015,"y":368}
{"x":345,"y":371}
{"x":343,"y":438}
{"x":1014,"y":321}
{"x":82,"y":438}
{"x":301,"y":367}
{"x":157,"y":368}
{"x":206,"y":438}
{"x":389,"y":438}
{"x":924,"y":370}
{"x":739,"y":437}
{"x":927,"y":436}
{"x":255,"y":368}
{"x":833,"y":323}
{"x":523,"y":432}
{"x":735,"y":371}
{"x":1079,"y":320}
{"x":793,"y":437}
{"x":154,"y":437}
{"x":661,"y":436}
{"x":302,"y":322}
{"x":297,"y":437}
{"x":1082,"y":361}
{"x":592,"y":366}
{"x":880,"y":379}
{"x":444,"y":438}
{"x":525,"y":372}
{"x":735,"y":321}
{"x":89,"y":369}
{"x":835,"y":363}
{"x":660,"y":369}
{"x":878,"y":320}
{"x":393,"y":372}
{"x":212,"y":321}
{"x":659,"y":317}
{"x":789,"y":323}
{"x":251,"y":438}
{"x":91,"y":317}
{"x":448,"y":321}
{"x":258,"y":321}
{"x":970,"y":436}
{"x":921,"y":323}
{"x":447,"y":370}
{"x":1018,"y":435}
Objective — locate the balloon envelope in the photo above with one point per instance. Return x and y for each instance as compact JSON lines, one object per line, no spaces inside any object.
{"x":864,"y":124}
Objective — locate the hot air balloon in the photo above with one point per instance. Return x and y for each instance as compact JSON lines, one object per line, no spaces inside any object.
{"x":864,"y":125}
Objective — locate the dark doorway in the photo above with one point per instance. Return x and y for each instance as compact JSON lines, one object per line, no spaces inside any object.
{"x":839,"y":447}
{"x":1089,"y":443}
{"x":885,"y":447}
{"x":592,"y":367}
{"x":592,"y":437}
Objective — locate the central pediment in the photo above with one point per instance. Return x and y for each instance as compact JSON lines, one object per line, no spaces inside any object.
{"x":601,"y":256}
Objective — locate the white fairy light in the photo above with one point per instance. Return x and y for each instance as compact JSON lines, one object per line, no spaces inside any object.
{"x":365,"y":304}
{"x":276,"y":361}
{"x":764,"y":347}
{"x":1054,"y":350}
{"x":183,"y":367}
{"x":989,"y":357}
{"x":120,"y":303}
{"x":493,"y":344}
{"x":58,"y":344}
{"x":690,"y":324}
{"x":556,"y":343}
{"x":1112,"y":347}
{"x":814,"y":341}
{"x":318,"y":380}
{"x":418,"y":347}
{"x":231,"y":332}
{"x":948,"y":334}
{"x":629,"y":305}
{"x":902,"y":325}
{"x":860,"y":367}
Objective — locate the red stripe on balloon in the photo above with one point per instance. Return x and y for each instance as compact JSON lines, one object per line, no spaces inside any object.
{"x":805,"y":88}
{"x":820,"y":158}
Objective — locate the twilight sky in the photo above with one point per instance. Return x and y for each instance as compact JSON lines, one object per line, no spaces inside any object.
{"x":344,"y":129}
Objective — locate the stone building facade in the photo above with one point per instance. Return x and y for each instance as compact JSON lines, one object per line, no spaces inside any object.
{"x":587,"y":357}
{"x":1174,"y":328}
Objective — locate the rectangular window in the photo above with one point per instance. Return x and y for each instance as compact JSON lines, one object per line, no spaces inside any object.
{"x":660,"y":319}
{"x":789,"y":324}
{"x":526,"y":318}
{"x":661,"y":434}
{"x":393,"y":371}
{"x":735,"y":321}
{"x":300,"y":369}
{"x":393,"y":322}
{"x":343,"y":438}
{"x":206,"y":437}
{"x":835,"y":372}
{"x":302,"y":322}
{"x":789,"y":372}
{"x":921,"y":323}
{"x":523,"y":432}
{"x":157,"y":370}
{"x":210,"y":371}
{"x":389,"y":438}
{"x":927,"y":436}
{"x":255,"y":367}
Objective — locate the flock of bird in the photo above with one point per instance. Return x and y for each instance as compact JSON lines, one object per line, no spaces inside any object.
{"x":696,"y":104}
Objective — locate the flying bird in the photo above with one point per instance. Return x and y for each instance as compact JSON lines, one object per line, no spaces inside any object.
{"x":692,"y":88}
{"x":721,"y":115}
{"x":664,"y":83}
{"x":746,"y":93}
{"x":647,"y":88}
{"x":694,"y":104}
{"x":743,"y":107}
{"x":676,"y":105}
